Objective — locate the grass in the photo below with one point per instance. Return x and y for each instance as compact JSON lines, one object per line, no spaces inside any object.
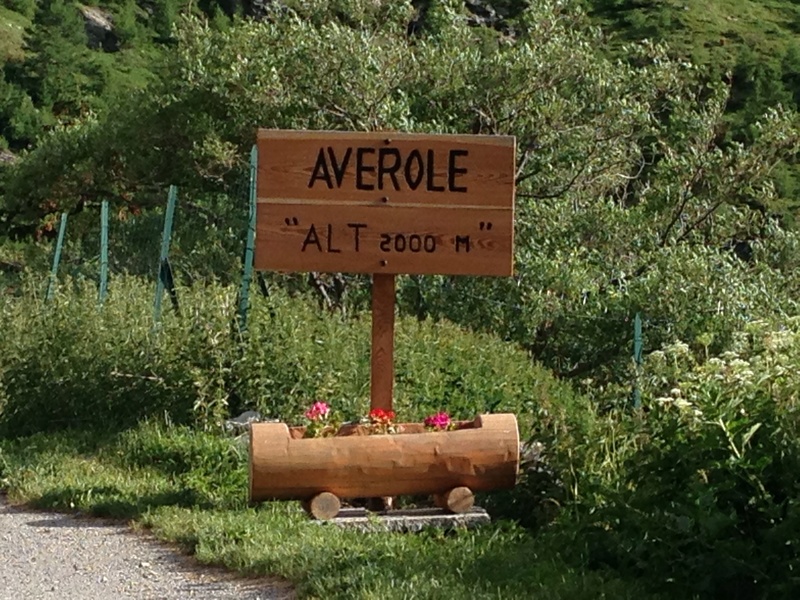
{"x":711,"y":33}
{"x":12,"y":26}
{"x":189,"y":487}
{"x":193,"y":369}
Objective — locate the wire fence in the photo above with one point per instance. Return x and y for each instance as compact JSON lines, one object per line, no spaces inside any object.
{"x":184,"y":240}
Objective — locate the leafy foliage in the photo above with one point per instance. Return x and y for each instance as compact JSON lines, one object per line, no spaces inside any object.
{"x":750,"y":45}
{"x":112,"y":367}
{"x":628,"y":199}
{"x":697,"y":494}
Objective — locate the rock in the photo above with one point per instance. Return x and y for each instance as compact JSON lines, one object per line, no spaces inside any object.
{"x":530,"y":453}
{"x":99,"y":28}
{"x":242,"y":422}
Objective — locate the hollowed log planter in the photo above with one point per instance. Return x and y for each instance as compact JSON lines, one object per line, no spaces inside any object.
{"x":480,"y":456}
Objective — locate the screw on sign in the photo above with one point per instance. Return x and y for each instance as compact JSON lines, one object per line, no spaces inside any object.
{"x":385,"y":204}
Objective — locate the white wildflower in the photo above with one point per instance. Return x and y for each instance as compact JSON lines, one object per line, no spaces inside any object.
{"x":779,"y":340}
{"x":678,"y":349}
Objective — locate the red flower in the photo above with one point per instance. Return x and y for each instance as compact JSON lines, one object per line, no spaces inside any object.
{"x":379,"y":416}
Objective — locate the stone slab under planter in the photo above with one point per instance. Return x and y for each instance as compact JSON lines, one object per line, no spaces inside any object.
{"x":410,"y":520}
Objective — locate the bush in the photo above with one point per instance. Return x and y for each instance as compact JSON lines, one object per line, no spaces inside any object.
{"x":699,"y":493}
{"x":72,"y":363}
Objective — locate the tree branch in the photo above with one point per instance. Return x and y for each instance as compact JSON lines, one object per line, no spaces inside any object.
{"x":687,"y":195}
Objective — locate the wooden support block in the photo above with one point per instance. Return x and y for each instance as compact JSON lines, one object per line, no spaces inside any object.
{"x":323,"y":506}
{"x":458,"y":500}
{"x":408,"y":520}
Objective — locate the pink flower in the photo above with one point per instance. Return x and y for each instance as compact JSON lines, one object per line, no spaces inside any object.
{"x":318,"y":410}
{"x":440,"y":420}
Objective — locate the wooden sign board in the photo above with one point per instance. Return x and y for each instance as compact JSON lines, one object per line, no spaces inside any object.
{"x":385,"y":203}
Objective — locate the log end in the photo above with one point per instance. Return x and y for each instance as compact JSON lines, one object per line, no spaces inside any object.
{"x":323,"y":506}
{"x":458,"y":500}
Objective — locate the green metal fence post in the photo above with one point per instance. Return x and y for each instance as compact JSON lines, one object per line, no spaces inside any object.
{"x":163,"y":259}
{"x":168,"y":279}
{"x":249,"y":249}
{"x":637,"y":359}
{"x":103,"y":252}
{"x":51,"y":284}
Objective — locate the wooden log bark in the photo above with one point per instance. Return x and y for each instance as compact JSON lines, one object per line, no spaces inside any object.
{"x":485,"y":457}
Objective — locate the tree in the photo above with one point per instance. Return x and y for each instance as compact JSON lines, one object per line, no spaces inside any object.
{"x":628,"y":199}
{"x":126,"y":25}
{"x":164,"y":17}
{"x":54,"y":72}
{"x":19,"y":121}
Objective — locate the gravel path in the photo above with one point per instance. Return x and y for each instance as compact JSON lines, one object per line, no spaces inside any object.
{"x":51,"y":555}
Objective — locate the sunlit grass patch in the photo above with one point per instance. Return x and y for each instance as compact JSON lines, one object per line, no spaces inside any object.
{"x":189,"y":487}
{"x":12,"y":27}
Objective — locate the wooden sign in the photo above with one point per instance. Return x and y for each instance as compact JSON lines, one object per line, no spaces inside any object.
{"x":385,"y":203}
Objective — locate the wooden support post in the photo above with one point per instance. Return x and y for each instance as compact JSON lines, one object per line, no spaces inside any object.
{"x":382,"y":379}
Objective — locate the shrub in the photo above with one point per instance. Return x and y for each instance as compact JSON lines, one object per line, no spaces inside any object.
{"x":72,"y":363}
{"x":699,"y":493}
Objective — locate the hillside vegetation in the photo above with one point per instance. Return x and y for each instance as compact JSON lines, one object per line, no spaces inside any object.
{"x":713,"y":33}
{"x":750,"y":44}
{"x":649,"y":190}
{"x":12,"y":29}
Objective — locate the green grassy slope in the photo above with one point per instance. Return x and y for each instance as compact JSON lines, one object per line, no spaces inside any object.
{"x":12,"y":25}
{"x":753,"y":44}
{"x":711,"y":32}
